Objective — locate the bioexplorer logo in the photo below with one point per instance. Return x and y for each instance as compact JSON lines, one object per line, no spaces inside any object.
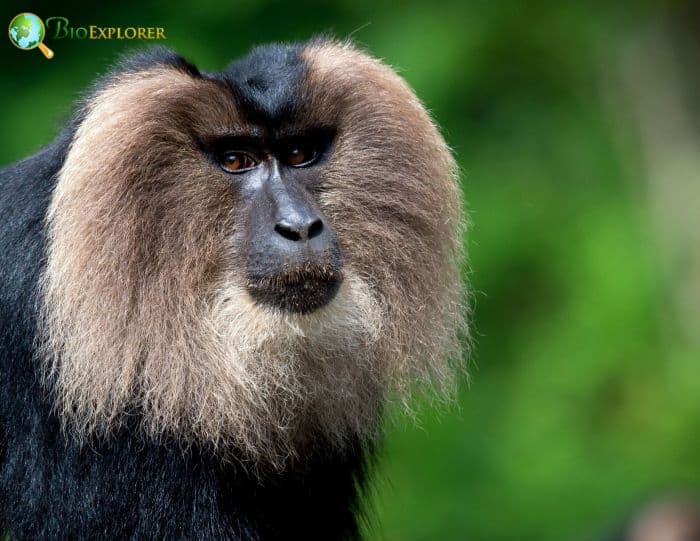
{"x":27,"y":31}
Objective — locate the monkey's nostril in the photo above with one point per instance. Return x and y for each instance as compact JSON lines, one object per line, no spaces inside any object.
{"x":287,"y":232}
{"x":315,"y":229}
{"x":300,"y":232}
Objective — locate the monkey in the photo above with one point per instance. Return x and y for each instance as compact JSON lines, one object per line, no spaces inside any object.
{"x":213,"y":286}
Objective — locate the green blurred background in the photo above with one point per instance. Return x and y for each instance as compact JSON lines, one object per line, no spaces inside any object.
{"x":577,"y":129}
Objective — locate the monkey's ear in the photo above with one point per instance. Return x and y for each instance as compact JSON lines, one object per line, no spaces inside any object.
{"x":152,"y":58}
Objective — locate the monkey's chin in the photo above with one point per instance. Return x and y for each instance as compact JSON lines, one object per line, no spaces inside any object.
{"x":302,"y":296}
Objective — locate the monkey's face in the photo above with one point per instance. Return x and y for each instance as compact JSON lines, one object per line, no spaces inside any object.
{"x":289,"y":249}
{"x":253,"y":259}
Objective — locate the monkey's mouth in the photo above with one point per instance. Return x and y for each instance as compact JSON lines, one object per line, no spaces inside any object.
{"x":299,"y":291}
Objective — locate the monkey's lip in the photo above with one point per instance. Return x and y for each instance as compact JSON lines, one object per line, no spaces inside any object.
{"x":300,"y":290}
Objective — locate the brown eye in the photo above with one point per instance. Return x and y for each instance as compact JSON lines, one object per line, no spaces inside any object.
{"x":237,"y":162}
{"x":300,"y":156}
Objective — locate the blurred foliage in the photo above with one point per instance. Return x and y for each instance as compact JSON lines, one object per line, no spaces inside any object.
{"x":583,"y":394}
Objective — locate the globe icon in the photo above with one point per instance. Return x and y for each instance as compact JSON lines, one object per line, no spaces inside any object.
{"x":27,"y":32}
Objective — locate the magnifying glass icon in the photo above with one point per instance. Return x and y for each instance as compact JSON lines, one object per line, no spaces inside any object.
{"x":27,"y":31}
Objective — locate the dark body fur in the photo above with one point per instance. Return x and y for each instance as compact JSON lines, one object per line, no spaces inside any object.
{"x":127,"y":487}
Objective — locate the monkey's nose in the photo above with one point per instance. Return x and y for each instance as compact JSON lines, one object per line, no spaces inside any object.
{"x":294,"y":261}
{"x":305,"y":228}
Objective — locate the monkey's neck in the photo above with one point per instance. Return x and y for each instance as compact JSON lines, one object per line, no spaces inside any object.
{"x":319,"y":499}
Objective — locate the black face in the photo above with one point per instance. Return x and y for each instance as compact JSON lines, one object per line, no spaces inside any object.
{"x":293,"y":261}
